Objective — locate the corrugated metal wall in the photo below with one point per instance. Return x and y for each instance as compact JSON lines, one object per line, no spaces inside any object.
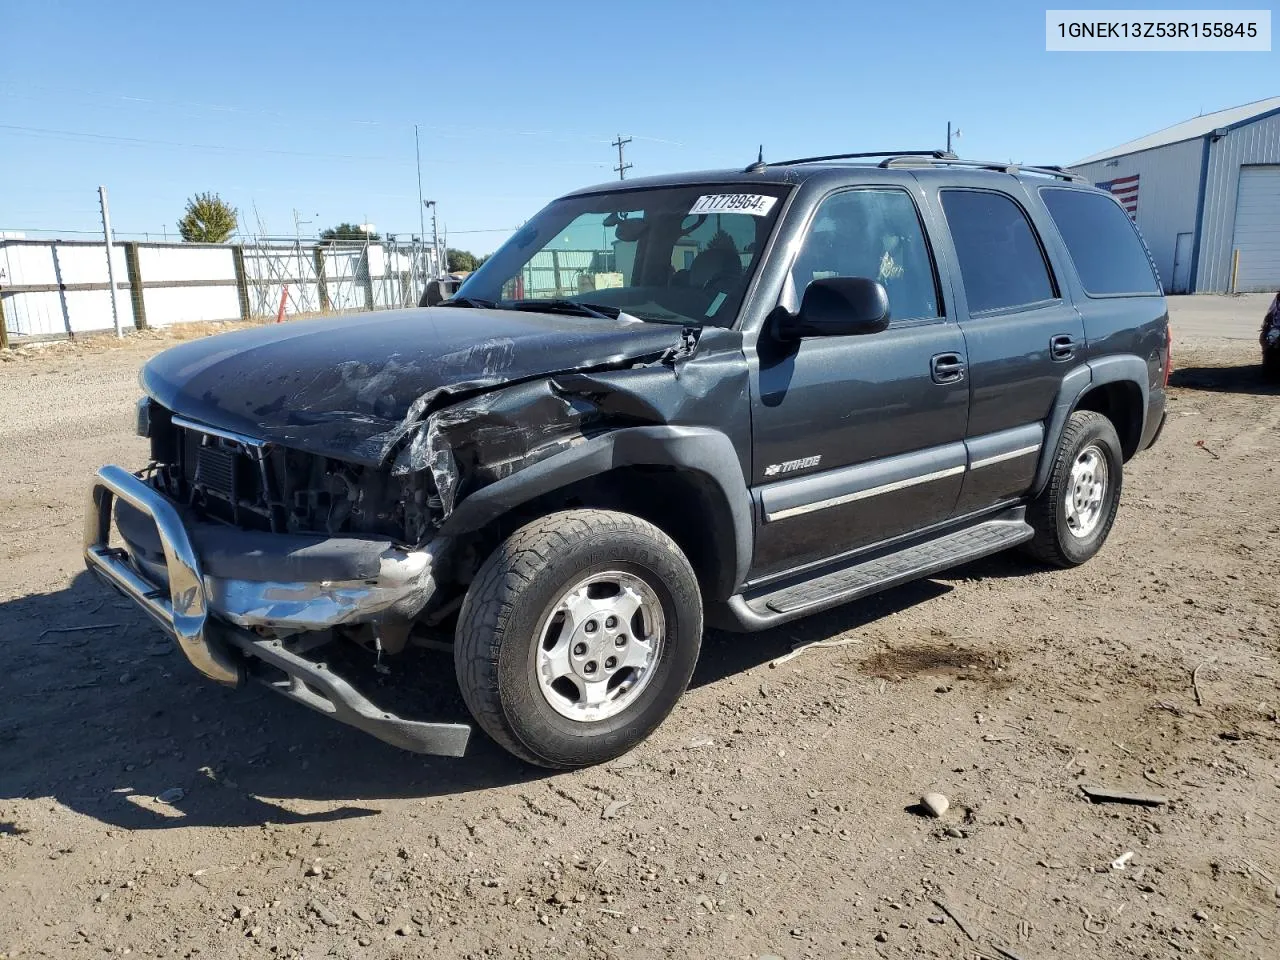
{"x":1168,"y":191}
{"x":1257,"y":142}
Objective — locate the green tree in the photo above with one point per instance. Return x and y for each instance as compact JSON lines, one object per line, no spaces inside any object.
{"x":347,"y":231}
{"x":208,"y":219}
{"x":723,"y":241}
{"x":461,"y":261}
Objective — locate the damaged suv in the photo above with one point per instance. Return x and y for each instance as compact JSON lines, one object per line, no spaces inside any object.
{"x":1269,"y":340}
{"x":736,"y":397}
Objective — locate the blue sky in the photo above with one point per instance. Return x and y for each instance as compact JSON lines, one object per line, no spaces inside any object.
{"x":310,"y":106}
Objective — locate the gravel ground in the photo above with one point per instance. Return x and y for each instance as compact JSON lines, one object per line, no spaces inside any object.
{"x":773,"y":814}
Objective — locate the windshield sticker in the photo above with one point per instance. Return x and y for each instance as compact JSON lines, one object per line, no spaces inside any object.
{"x":755,"y":204}
{"x":721,"y":297}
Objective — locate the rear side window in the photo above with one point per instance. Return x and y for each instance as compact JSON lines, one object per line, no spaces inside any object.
{"x":1001,"y":262}
{"x":1102,"y":241}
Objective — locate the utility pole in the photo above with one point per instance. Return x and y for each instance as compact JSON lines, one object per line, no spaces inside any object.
{"x":435,"y":238}
{"x":417,"y":152}
{"x":622,"y":166}
{"x":297,"y":249}
{"x":297,"y":226}
{"x":957,"y":135}
{"x":111,"y":269}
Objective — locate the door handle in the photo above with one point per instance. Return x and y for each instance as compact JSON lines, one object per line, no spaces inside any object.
{"x":1062,"y":347}
{"x":946,"y":367}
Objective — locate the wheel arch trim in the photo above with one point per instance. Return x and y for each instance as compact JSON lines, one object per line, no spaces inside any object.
{"x":1121,"y":368}
{"x":695,"y":449}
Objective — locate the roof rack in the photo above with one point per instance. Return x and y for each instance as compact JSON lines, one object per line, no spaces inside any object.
{"x":760,"y":165}
{"x":907,"y":160}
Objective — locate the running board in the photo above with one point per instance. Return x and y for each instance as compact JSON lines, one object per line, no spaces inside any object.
{"x":871,"y":576}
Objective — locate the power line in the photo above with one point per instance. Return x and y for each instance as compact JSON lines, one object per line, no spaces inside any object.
{"x":147,"y":141}
{"x":160,"y":231}
{"x":292,"y":117}
{"x":488,"y":230}
{"x":78,"y":136}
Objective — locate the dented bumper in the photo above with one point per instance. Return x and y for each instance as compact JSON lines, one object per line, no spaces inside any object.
{"x":180,"y":606}
{"x":163,"y":572}
{"x":280,"y":584}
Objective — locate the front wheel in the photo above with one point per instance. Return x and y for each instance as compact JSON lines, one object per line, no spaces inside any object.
{"x":578,"y":636}
{"x":1075,"y":511}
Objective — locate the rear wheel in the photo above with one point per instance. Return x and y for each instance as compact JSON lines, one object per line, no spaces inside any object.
{"x":1074,"y":513}
{"x":578,"y":636}
{"x":1271,"y":364}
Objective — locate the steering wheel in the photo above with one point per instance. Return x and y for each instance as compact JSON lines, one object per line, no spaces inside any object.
{"x":723,"y":280}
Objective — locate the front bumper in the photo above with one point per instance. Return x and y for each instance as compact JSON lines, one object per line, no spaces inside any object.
{"x":207,"y":616}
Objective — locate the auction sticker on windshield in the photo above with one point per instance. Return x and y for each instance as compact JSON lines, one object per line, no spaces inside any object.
{"x":753,"y":203}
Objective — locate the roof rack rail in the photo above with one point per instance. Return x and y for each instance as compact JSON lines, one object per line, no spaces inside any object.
{"x":760,"y":165}
{"x":903,"y":160}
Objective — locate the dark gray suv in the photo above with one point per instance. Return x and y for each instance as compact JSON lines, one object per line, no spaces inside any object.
{"x":734,"y":397}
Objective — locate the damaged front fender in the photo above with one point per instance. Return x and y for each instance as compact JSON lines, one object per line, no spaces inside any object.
{"x":698,"y":450}
{"x":701,"y":380}
{"x":480,"y":440}
{"x":685,"y":410}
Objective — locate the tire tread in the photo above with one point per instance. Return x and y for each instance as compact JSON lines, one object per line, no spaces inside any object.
{"x":1042,"y":512}
{"x":491,"y":599}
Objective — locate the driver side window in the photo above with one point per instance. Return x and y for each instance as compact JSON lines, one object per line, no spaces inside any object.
{"x":872,"y":233}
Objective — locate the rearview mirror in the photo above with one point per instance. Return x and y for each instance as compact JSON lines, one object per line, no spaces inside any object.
{"x":839,"y":306}
{"x":629,"y":231}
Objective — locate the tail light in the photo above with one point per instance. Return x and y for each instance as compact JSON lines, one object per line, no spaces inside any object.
{"x":1168,"y":352}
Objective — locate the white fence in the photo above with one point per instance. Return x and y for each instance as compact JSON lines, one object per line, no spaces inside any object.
{"x":567,"y":273}
{"x":52,"y":288}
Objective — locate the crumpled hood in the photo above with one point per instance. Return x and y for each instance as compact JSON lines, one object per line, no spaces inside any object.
{"x":352,"y":387}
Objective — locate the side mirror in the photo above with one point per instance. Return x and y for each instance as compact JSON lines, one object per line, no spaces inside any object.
{"x":437,"y":291}
{"x":838,"y":306}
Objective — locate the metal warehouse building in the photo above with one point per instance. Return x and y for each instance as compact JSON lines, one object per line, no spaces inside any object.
{"x":1206,"y":195}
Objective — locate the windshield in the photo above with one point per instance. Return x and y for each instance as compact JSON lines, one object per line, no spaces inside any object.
{"x":670,"y":254}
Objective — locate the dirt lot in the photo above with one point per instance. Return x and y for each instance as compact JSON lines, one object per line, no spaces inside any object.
{"x":771,"y":815}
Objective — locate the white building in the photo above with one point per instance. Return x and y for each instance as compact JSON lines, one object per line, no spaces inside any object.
{"x":1206,"y":195}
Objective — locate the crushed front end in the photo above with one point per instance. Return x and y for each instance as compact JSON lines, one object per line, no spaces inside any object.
{"x":297,"y":503}
{"x":253,"y":556}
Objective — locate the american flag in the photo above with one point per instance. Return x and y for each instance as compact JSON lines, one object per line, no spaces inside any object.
{"x":1124,"y":189}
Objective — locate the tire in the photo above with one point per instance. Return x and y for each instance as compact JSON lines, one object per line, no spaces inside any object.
{"x":546,"y":593}
{"x":1068,"y":529}
{"x":1271,"y":364}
